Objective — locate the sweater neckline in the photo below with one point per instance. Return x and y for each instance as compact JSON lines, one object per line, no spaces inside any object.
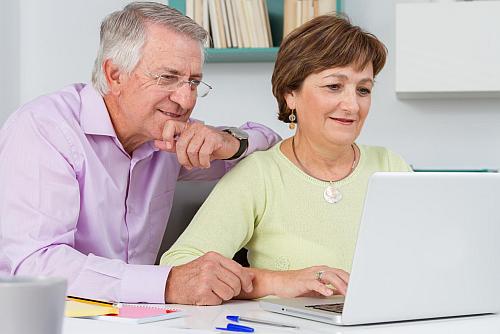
{"x":348,"y":179}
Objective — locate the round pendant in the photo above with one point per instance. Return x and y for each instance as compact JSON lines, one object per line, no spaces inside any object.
{"x":332,"y":195}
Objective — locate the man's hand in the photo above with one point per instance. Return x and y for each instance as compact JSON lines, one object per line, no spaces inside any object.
{"x":208,"y":280}
{"x":196,"y":144}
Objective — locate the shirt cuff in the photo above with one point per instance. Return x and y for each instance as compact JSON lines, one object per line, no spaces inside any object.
{"x":144,"y":283}
{"x":260,"y":138}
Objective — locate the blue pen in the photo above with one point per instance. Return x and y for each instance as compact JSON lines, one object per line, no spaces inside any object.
{"x":236,"y":328}
{"x":237,"y":318}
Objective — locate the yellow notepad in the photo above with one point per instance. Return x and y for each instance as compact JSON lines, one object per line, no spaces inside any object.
{"x":76,"y":309}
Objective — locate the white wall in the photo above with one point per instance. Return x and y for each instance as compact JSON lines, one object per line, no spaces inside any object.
{"x":428,"y":57}
{"x":9,"y":57}
{"x":443,"y":133}
{"x":58,"y":41}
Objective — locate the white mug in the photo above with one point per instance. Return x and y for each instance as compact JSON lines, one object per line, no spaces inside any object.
{"x":31,"y":305}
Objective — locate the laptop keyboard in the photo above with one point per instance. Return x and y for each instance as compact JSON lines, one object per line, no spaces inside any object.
{"x":335,"y":308}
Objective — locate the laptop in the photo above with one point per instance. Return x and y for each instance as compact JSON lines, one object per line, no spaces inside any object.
{"x":428,"y":247}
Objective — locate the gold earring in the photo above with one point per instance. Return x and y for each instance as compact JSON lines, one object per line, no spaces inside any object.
{"x":292,"y":118}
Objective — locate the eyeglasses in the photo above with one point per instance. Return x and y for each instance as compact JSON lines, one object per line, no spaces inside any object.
{"x":172,"y":82}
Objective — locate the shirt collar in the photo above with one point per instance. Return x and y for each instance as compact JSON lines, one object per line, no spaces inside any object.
{"x":94,"y":117}
{"x":95,"y":120}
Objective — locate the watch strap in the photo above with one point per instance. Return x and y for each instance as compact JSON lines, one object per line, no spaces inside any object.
{"x":243,"y":146}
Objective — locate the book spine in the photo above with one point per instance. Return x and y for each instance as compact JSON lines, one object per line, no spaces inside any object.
{"x":213,"y":24}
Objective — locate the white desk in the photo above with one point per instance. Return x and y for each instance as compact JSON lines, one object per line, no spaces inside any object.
{"x":205,"y":319}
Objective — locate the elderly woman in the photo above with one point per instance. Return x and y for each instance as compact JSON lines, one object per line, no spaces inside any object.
{"x":297,"y":206}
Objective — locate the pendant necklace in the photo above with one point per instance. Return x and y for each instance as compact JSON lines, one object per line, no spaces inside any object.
{"x":331,"y":194}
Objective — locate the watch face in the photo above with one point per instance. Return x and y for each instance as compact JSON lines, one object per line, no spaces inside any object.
{"x":240,"y":134}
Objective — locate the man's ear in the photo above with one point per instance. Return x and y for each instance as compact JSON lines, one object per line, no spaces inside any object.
{"x":113,"y":76}
{"x":291,"y":100}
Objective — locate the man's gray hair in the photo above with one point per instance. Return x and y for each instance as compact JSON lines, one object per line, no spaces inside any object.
{"x":123,"y":35}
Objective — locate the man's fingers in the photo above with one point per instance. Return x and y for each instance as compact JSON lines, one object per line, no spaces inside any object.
{"x":222,"y":290}
{"x":205,"y":153}
{"x":181,"y":148}
{"x":204,"y":281}
{"x":209,"y":299}
{"x":194,"y":143}
{"x":170,"y":130}
{"x":245,"y":276}
{"x":230,"y":279}
{"x":161,"y":145}
{"x":193,"y":150}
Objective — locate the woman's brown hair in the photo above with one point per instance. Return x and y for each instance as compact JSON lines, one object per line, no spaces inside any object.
{"x":324,"y":42}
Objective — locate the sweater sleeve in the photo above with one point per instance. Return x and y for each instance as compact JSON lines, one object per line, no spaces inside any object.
{"x":225,"y":222}
{"x":397,"y":163}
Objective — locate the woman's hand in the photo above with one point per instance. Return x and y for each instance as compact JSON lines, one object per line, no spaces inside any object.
{"x":317,"y":280}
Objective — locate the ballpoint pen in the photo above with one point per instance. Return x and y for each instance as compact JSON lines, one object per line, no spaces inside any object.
{"x":93,"y":301}
{"x":237,"y":318}
{"x":236,"y":328}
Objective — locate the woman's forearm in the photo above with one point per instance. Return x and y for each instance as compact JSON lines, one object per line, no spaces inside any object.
{"x":263,"y":284}
{"x":317,"y":280}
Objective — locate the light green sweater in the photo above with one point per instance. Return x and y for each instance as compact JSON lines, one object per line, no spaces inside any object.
{"x":271,"y":207}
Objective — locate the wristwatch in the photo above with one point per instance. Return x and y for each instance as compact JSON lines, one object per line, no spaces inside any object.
{"x":242,"y":137}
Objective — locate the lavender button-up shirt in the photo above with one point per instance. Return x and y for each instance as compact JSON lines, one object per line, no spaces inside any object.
{"x":74,"y":204}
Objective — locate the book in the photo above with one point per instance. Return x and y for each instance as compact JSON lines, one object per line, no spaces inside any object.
{"x":242,"y":22}
{"x":142,"y":313}
{"x":190,"y":9}
{"x":206,"y":22}
{"x":289,"y":16}
{"x":198,"y":11}
{"x":268,"y":24}
{"x":237,"y":24}
{"x":308,"y":10}
{"x":298,"y":12}
{"x":260,"y":20}
{"x":225,"y":23}
{"x":250,"y":21}
{"x":220,"y":23}
{"x":216,"y":37}
{"x":326,"y":6}
{"x":232,"y":24}
{"x":76,"y":309}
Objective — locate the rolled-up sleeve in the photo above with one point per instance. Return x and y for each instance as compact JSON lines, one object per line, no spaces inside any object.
{"x":260,"y":138}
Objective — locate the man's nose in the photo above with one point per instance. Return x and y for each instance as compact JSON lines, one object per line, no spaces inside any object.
{"x":184,"y":95}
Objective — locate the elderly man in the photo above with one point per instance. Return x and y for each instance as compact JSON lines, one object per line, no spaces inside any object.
{"x":88,"y":173}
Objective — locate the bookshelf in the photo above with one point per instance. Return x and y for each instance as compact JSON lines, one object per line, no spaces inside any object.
{"x":242,"y":55}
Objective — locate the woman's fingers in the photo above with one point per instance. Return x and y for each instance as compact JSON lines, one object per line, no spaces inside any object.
{"x":333,"y":278}
{"x":321,"y":288}
{"x":312,"y":281}
{"x":344,"y":275}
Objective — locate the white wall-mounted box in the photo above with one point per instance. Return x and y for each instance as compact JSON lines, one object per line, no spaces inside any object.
{"x":448,"y":49}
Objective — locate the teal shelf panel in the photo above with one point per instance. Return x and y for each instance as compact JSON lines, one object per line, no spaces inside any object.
{"x":180,"y":5}
{"x":479,"y":170}
{"x":240,"y":55}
